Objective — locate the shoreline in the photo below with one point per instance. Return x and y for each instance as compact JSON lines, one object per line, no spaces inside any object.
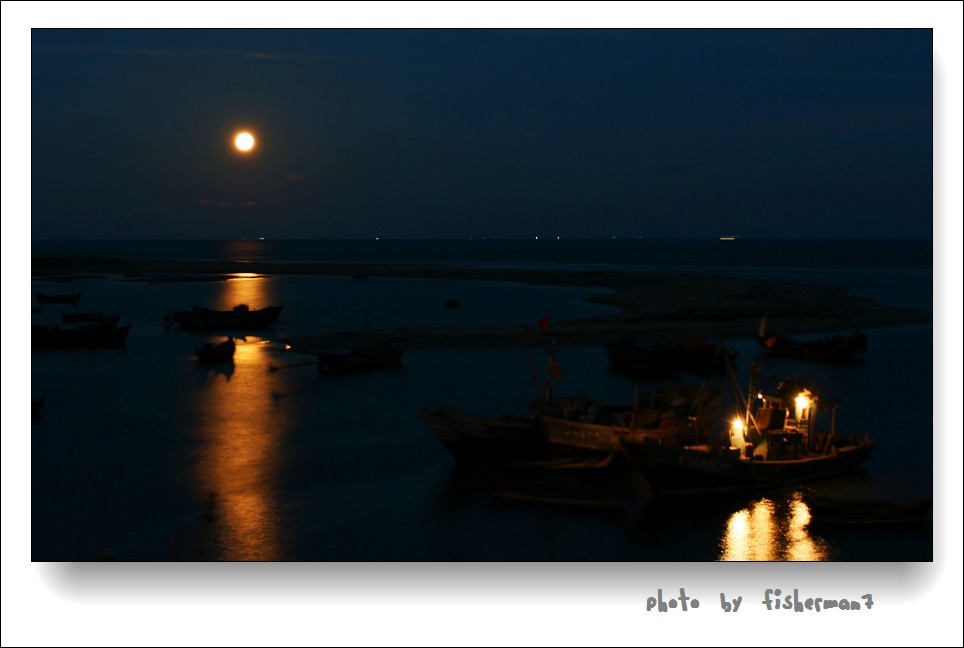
{"x":662,"y":307}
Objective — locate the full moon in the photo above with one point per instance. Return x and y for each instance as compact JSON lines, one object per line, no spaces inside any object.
{"x":244,"y":141}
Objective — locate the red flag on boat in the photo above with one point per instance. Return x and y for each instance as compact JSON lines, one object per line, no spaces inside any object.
{"x":544,"y":323}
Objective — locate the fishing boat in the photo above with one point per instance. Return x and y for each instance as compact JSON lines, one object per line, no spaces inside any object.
{"x":216,"y":351}
{"x":51,"y":298}
{"x":476,"y":441}
{"x":90,"y":335}
{"x":774,"y":440}
{"x":670,"y":413}
{"x":831,"y":348}
{"x":241,"y":317}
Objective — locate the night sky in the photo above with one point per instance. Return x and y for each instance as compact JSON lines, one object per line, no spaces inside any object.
{"x":502,"y":133}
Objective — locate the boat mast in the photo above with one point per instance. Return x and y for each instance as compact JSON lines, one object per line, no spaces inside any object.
{"x":550,"y":363}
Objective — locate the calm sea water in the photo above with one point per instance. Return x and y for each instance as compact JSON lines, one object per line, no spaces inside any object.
{"x":143,"y":454}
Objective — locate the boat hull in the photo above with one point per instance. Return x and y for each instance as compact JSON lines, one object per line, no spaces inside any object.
{"x":215,"y":352}
{"x":479,"y":441}
{"x":676,"y":467}
{"x":588,"y":436}
{"x":206,"y":320}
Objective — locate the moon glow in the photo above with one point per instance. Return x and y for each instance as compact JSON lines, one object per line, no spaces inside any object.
{"x":244,"y":142}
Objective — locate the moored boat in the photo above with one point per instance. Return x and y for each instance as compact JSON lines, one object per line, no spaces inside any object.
{"x":774,"y":443}
{"x":241,"y":317}
{"x":473,"y":440}
{"x":833,"y":348}
{"x":670,"y":413}
{"x":216,"y":351}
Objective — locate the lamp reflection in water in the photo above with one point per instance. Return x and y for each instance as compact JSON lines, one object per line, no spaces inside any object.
{"x":771,"y":531}
{"x":242,"y":427}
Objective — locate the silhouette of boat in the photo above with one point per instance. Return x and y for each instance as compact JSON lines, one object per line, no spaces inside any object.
{"x":568,"y":427}
{"x":51,"y":298}
{"x":216,"y":351}
{"x":473,"y":440}
{"x":241,"y":317}
{"x":452,"y":303}
{"x":834,"y":348}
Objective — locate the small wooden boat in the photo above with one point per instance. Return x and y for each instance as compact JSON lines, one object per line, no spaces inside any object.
{"x":834,"y":348}
{"x":51,"y":298}
{"x":216,"y":351}
{"x":239,"y":318}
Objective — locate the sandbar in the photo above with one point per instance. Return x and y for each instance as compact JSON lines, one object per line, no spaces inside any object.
{"x":654,"y":307}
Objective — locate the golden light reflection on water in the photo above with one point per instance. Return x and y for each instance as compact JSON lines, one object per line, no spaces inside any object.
{"x":245,"y":288}
{"x":770,"y":530}
{"x":243,"y":427}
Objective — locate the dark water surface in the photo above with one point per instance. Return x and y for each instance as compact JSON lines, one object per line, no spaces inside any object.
{"x":143,"y":454}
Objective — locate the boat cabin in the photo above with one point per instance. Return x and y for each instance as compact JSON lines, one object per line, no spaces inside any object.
{"x":779,"y":427}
